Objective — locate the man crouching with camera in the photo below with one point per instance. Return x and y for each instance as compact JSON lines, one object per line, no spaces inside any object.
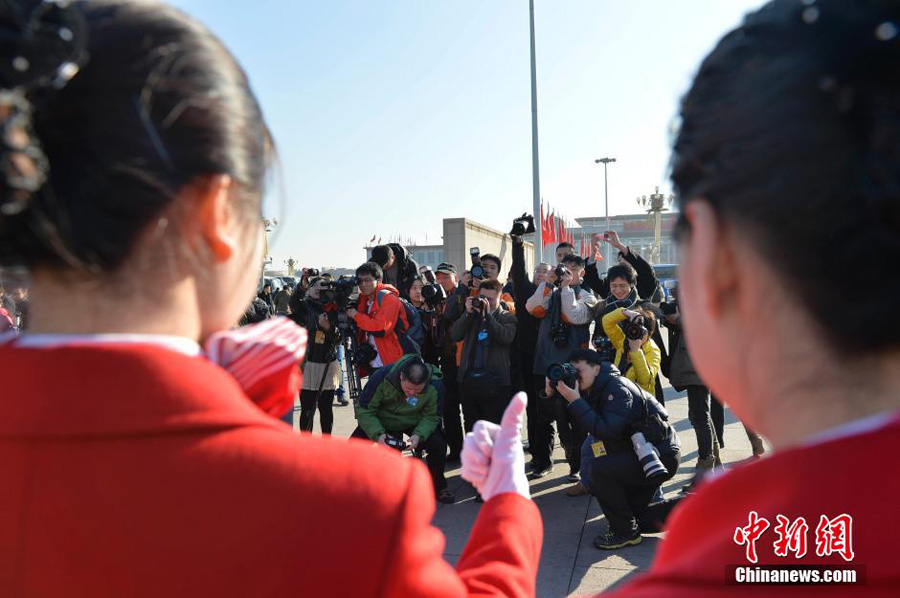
{"x":630,"y":448}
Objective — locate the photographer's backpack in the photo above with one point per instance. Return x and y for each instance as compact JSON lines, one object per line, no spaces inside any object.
{"x":410,"y":329}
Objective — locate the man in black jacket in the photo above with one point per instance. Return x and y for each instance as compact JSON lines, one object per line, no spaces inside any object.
{"x":647,"y":284}
{"x":622,"y":422}
{"x":398,"y":267}
{"x":487,"y":331}
{"x":527,"y":336}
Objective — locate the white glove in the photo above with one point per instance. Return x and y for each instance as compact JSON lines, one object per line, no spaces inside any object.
{"x":492,"y":457}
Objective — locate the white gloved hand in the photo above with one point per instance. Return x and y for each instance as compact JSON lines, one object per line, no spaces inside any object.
{"x":492,"y":457}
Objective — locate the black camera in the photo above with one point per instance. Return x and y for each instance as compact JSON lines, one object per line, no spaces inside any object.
{"x":427,"y":273}
{"x":396,"y":443}
{"x":311,"y":272}
{"x":478,"y":272}
{"x":605,"y":348}
{"x":559,"y":334}
{"x":364,"y":354}
{"x":562,"y":372}
{"x":668,"y":308}
{"x":339,"y":291}
{"x":433,"y":294}
{"x":522,"y":226}
{"x":559,"y":272}
{"x":634,"y":329}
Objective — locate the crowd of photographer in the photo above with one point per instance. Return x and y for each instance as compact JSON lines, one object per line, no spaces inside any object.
{"x":430,"y":352}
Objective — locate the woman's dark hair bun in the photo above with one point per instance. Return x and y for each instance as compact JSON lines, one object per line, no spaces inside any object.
{"x":41,"y":43}
{"x":41,"y":46}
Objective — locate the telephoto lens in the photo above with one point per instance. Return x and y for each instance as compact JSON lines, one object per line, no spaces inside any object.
{"x":634,"y":329}
{"x":648,"y":457}
{"x":478,"y":272}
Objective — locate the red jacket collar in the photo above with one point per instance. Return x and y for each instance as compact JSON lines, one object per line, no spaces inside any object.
{"x":111,"y":389}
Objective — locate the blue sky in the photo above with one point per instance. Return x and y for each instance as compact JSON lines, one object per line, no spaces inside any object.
{"x":391,"y":115}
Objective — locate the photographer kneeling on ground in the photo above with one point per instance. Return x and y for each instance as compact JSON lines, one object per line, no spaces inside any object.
{"x":321,"y":371}
{"x":637,"y":355}
{"x":630,"y":449}
{"x":405,"y":401}
{"x":486,"y":330}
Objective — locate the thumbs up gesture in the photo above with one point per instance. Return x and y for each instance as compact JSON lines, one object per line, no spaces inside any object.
{"x":492,"y":458}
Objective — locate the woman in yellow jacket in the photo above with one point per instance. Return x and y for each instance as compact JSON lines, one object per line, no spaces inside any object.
{"x":641,"y":363}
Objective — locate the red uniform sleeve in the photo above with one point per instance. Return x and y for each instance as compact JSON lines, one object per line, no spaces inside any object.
{"x":500,"y":559}
{"x":384,"y":319}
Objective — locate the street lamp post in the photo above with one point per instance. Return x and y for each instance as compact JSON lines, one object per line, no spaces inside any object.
{"x":535,"y":169}
{"x":268,"y":226}
{"x":656,"y":205}
{"x":605,"y":162}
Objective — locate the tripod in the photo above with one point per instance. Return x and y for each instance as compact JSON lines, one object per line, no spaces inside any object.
{"x":348,"y":340}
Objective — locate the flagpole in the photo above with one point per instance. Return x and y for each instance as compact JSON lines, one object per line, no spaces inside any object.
{"x":536,"y":182}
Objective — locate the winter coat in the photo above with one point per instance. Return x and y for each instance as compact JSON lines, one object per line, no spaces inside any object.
{"x":680,"y":369}
{"x":404,"y":271}
{"x":576,"y":307}
{"x":380,"y":323}
{"x":647,"y":283}
{"x":613,"y":407}
{"x":501,"y":332}
{"x":391,"y":411}
{"x":644,"y":364}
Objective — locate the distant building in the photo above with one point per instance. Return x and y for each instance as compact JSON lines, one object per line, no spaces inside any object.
{"x":637,"y":232}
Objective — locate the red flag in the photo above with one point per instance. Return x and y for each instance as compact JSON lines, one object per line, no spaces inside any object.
{"x":545,"y":226}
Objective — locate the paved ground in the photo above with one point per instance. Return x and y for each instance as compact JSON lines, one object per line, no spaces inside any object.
{"x":569,"y":562}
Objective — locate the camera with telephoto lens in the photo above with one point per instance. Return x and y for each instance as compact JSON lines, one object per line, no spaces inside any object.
{"x":562,"y":372}
{"x":311,"y":272}
{"x":364,"y":353}
{"x":635,"y":329}
{"x":432,"y":292}
{"x":605,"y":349}
{"x":522,"y":226}
{"x":648,"y":457}
{"x":338,"y":291}
{"x":478,"y":272}
{"x":395,"y":442}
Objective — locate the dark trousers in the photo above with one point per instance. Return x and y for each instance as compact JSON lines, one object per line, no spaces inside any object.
{"x":452,"y":419}
{"x":717,"y":414}
{"x":699,"y":416}
{"x":531,"y":408}
{"x":489,"y":408}
{"x":571,"y":436}
{"x":308,"y":406}
{"x":542,"y":444}
{"x":435,"y":448}
{"x":622,"y":489}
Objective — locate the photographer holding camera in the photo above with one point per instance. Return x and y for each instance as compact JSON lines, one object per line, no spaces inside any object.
{"x":643,"y":282}
{"x":630,"y":449}
{"x":565,"y":310}
{"x":405,"y":402}
{"x":321,"y":371}
{"x":428,"y":298}
{"x":637,"y":355}
{"x":376,"y":320}
{"x":487,"y":330}
{"x":527,"y":327}
{"x":398,"y":268}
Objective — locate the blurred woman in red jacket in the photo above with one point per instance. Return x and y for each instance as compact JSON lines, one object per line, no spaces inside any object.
{"x":787,"y":168}
{"x":132,"y":462}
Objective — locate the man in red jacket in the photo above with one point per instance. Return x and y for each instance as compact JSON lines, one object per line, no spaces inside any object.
{"x":377,"y":315}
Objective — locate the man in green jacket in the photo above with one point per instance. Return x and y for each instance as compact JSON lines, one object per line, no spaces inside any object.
{"x":405,"y":401}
